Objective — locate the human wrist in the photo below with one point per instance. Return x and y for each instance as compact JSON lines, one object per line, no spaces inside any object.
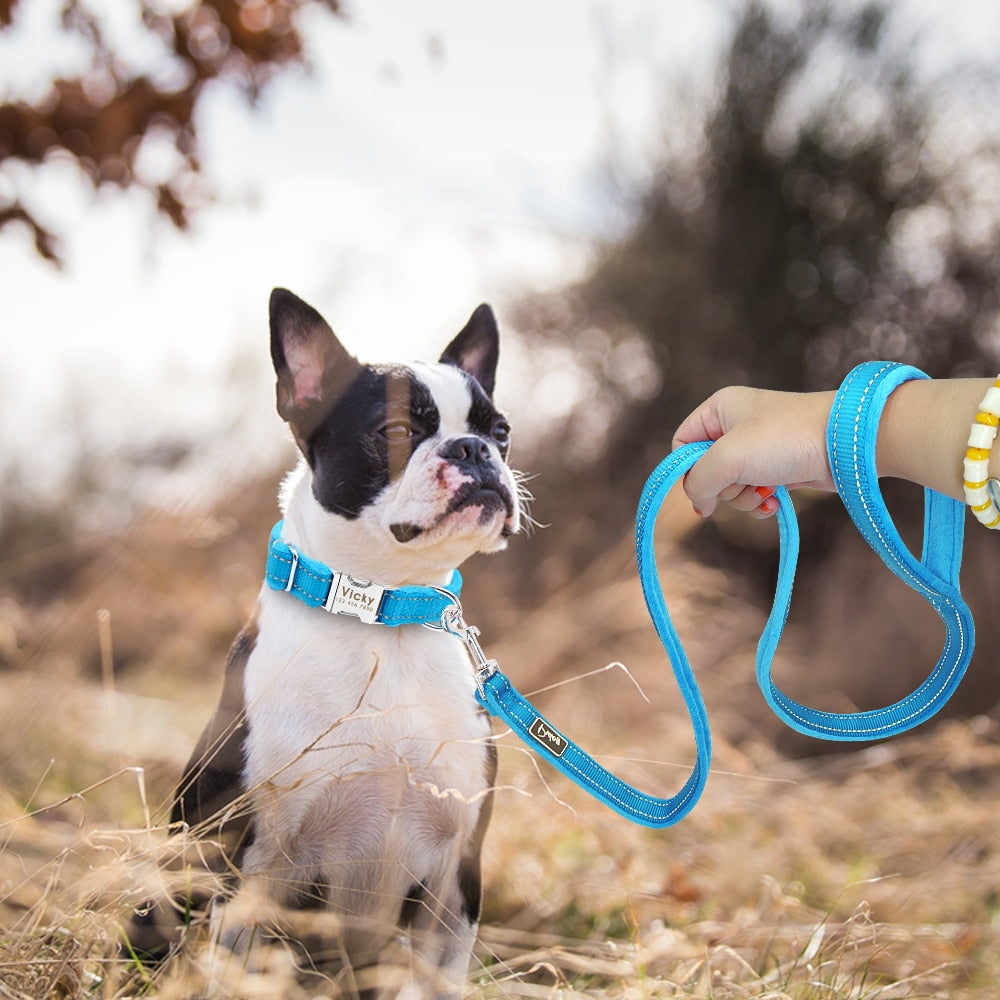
{"x":894,"y":444}
{"x":923,"y":431}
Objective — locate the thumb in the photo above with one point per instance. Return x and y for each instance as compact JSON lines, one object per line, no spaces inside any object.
{"x":703,"y":424}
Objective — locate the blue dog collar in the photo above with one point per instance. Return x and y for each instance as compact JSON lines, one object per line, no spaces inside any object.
{"x":316,"y":584}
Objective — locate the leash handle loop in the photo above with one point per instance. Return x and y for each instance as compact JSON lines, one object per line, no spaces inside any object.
{"x":852,"y":434}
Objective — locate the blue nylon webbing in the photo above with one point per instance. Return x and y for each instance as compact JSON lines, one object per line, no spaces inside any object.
{"x":504,"y":701}
{"x":852,"y":434}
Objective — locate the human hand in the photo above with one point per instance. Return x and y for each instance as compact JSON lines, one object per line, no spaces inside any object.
{"x":763,"y":439}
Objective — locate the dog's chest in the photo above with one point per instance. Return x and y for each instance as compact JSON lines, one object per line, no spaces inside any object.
{"x":341,"y":713}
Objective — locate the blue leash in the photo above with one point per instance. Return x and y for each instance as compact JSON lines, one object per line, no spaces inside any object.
{"x":507,"y":704}
{"x":851,"y":438}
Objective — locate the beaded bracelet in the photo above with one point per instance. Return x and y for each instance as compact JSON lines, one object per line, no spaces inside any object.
{"x":982,"y":494}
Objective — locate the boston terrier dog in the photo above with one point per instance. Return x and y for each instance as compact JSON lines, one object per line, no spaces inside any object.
{"x":348,"y":762}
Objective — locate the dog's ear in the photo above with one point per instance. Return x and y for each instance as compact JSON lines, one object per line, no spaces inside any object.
{"x":476,"y":349}
{"x":312,"y":366}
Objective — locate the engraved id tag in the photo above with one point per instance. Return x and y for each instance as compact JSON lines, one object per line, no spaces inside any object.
{"x":360,"y":598}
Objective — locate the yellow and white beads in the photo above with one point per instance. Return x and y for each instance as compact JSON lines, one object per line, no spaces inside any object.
{"x":981,"y":492}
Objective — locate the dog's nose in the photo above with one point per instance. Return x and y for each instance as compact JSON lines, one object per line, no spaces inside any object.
{"x":469,"y":453}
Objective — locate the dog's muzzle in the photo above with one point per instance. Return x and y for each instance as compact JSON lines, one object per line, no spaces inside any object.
{"x":481,"y":485}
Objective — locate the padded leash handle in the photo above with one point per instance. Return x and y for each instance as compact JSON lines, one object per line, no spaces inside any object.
{"x":851,"y":439}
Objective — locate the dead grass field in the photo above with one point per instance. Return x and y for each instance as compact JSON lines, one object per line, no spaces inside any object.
{"x":871,"y":874}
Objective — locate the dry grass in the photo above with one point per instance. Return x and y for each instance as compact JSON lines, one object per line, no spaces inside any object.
{"x":874,"y":874}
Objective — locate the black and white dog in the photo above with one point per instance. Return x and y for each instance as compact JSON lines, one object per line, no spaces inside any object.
{"x":351,"y":758}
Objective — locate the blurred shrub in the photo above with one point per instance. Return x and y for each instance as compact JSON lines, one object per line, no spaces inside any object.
{"x":825,"y":203}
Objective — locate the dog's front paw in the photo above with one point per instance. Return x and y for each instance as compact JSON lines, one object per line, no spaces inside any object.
{"x":243,"y":922}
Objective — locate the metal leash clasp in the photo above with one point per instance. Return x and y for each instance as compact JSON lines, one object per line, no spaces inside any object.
{"x":453,"y":622}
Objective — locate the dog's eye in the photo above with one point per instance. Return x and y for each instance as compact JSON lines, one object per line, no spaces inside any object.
{"x":501,"y":433}
{"x":396,"y":430}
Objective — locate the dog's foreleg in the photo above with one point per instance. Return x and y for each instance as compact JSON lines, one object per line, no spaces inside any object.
{"x":444,"y":920}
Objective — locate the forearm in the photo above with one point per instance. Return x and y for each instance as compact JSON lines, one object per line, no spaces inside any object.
{"x":924,"y":429}
{"x":765,"y":439}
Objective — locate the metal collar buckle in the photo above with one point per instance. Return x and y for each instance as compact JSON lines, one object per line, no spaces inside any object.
{"x":358,"y":598}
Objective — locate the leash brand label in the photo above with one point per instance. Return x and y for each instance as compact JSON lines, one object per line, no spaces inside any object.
{"x":544,"y":734}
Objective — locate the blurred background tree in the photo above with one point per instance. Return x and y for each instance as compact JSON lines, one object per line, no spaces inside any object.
{"x":825,"y":202}
{"x":106,"y":116}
